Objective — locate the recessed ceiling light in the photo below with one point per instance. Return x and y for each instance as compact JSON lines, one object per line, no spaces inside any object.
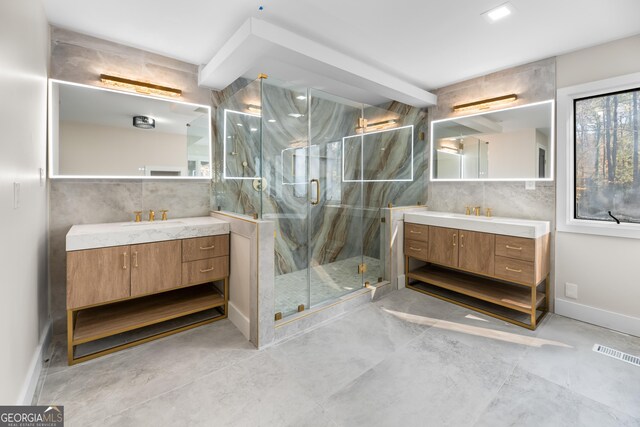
{"x":497,"y":13}
{"x":254,"y":129}
{"x":301,"y":97}
{"x":239,"y":124}
{"x":296,"y":115}
{"x":271,"y":120}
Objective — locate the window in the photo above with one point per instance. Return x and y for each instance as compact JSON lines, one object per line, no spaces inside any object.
{"x":592,"y":131}
{"x":606,"y":153}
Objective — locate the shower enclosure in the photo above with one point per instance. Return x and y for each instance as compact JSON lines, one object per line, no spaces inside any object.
{"x":321,"y":168}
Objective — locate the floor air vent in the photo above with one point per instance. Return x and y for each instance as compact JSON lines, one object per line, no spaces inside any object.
{"x":607,"y":351}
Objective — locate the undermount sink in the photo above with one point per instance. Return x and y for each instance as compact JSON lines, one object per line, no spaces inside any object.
{"x":496,"y":225}
{"x":153,"y":223}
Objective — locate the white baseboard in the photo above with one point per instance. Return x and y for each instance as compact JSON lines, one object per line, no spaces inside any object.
{"x":401,"y":281}
{"x":239,"y":320}
{"x":607,"y":319}
{"x":30,"y":384}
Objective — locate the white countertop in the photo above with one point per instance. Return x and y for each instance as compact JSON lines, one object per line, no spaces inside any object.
{"x":496,"y":225}
{"x":90,"y":236}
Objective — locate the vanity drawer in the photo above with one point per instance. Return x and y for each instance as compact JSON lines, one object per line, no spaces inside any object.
{"x":416,"y":249}
{"x":516,"y":247}
{"x":204,"y":270}
{"x":416,"y":232}
{"x":205,"y":247}
{"x":514,"y":270}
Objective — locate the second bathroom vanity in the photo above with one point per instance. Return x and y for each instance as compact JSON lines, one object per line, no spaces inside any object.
{"x":472,"y":261}
{"x":132,"y":282}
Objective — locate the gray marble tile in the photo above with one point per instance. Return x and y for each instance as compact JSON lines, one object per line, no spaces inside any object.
{"x":577,"y":367}
{"x":414,"y":307}
{"x":432,"y":381}
{"x":101,"y":387}
{"x":182,"y":199}
{"x":328,"y":358}
{"x":528,"y":400}
{"x":255,"y":392}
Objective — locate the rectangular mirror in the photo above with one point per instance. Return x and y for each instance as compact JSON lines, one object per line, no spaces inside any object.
{"x":513,"y":144}
{"x":103,"y":133}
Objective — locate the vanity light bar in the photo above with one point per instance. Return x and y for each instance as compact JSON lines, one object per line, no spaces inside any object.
{"x":485,"y":103}
{"x":138,"y":86}
{"x":375,"y":126}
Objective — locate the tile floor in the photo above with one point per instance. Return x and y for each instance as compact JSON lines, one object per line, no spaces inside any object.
{"x":327,"y":282}
{"x":405,"y":360}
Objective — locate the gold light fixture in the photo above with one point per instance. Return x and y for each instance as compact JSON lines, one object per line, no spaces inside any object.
{"x":254,"y":108}
{"x":483,"y":104}
{"x":138,"y":86}
{"x":365,"y":126}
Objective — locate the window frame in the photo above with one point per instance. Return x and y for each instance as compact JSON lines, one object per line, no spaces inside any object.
{"x":565,"y":195}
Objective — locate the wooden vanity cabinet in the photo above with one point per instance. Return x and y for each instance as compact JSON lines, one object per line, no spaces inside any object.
{"x":443,"y":246}
{"x":155,"y":267}
{"x":503,"y":270}
{"x":97,"y":276}
{"x":115,"y":290}
{"x":476,"y":252}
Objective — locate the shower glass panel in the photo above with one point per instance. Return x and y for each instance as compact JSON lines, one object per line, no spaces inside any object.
{"x":238,"y":165}
{"x":335,"y":211}
{"x":322,"y":168}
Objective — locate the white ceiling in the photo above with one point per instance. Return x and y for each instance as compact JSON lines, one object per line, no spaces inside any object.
{"x":429,"y":44}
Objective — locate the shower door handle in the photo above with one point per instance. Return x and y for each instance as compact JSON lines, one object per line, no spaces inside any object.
{"x":317,"y":182}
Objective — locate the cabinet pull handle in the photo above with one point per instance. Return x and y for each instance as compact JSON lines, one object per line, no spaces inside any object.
{"x":415,"y":249}
{"x":513,"y":269}
{"x":415,"y":232}
{"x":206,"y":248}
{"x":462,"y":240}
{"x":124,"y":260}
{"x":515,"y":248}
{"x":135,"y":259}
{"x":206,"y":270}
{"x":454,"y":238}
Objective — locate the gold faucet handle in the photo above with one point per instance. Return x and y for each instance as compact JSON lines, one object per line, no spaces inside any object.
{"x":138,"y":215}
{"x":467,"y":210}
{"x":488,"y":212}
{"x":164,"y":214}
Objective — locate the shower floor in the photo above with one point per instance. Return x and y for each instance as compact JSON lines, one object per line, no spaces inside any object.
{"x":328,"y":281}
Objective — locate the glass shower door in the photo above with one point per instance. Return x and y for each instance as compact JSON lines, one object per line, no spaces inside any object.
{"x":335,"y":205}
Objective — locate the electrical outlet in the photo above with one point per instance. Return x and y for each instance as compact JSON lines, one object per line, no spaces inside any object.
{"x":529,"y":185}
{"x":571,"y":290}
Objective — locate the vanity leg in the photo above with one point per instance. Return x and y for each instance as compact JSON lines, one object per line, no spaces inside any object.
{"x":547,"y":284}
{"x":534,"y":290}
{"x":406,"y":271}
{"x":226,"y":296}
{"x":70,"y":325}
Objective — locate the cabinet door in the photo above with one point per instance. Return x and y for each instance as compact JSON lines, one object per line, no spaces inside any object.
{"x":96,"y":276}
{"x":476,"y":253}
{"x":443,"y":246}
{"x":155,"y":267}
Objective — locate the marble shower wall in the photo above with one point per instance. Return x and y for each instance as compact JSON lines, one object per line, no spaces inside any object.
{"x":80,"y":58}
{"x":532,"y":83}
{"x":346,"y":222}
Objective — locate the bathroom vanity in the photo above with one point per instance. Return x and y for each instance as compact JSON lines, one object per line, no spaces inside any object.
{"x":475,"y":260}
{"x":129,"y":283}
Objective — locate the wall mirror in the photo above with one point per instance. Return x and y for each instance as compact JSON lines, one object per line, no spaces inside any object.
{"x":102,"y":133}
{"x":513,"y":144}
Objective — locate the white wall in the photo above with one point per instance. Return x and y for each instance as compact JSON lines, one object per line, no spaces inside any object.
{"x":89,"y":149}
{"x":512,"y":154}
{"x":23,"y":270}
{"x":606,"y":269}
